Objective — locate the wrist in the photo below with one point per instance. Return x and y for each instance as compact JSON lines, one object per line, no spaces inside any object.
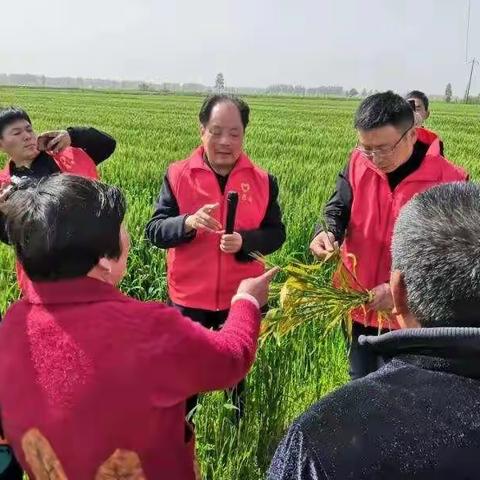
{"x":247,"y":297}
{"x":187,"y":224}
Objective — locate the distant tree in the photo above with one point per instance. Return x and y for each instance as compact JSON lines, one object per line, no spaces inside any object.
{"x":448,"y":93}
{"x":353,"y":92}
{"x":299,"y":90}
{"x":144,"y":87}
{"x":364,"y":93}
{"x":220,"y":83}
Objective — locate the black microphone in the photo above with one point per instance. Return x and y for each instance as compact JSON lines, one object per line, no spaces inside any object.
{"x":232,"y":202}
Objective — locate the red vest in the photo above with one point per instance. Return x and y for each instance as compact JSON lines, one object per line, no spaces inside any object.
{"x":73,"y":161}
{"x":430,"y":138}
{"x":375,"y":209}
{"x":200,"y":275}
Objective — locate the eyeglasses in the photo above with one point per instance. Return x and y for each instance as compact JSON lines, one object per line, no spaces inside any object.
{"x":382,"y":152}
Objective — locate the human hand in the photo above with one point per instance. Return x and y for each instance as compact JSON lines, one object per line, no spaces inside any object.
{"x":202,"y":220}
{"x":323,"y":245}
{"x":54,"y":141}
{"x":231,"y":243}
{"x":258,"y":287}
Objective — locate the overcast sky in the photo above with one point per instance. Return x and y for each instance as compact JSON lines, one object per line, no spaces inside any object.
{"x":376,"y":44}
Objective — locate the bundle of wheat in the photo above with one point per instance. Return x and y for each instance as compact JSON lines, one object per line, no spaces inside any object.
{"x":309,"y":293}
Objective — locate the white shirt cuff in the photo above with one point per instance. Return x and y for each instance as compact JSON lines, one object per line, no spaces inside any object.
{"x":247,"y":297}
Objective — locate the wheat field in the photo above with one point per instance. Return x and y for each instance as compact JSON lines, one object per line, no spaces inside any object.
{"x":304,"y":142}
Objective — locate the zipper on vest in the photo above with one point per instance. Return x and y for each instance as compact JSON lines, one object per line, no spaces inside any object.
{"x":220,"y":255}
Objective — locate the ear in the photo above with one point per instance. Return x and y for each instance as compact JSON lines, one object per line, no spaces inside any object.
{"x":202,"y":130}
{"x":104,"y":268}
{"x":400,"y":302}
{"x":427,"y":115}
{"x":399,"y":293}
{"x":413,"y":135}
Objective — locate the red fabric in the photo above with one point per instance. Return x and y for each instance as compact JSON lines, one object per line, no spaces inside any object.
{"x":430,"y":138}
{"x":200,"y":275}
{"x":375,"y":209}
{"x":96,"y":371}
{"x":73,"y":161}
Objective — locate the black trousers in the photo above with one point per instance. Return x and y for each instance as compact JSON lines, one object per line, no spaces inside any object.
{"x":362,"y":359}
{"x":213,"y":320}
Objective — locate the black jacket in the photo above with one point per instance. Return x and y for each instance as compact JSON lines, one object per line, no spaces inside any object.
{"x":166,"y":228}
{"x":98,"y":145}
{"x":418,"y":417}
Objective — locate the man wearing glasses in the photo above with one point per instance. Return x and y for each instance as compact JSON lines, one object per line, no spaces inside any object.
{"x":389,"y":165}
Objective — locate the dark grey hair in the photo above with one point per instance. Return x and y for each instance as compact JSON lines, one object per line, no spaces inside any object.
{"x":436,"y":246}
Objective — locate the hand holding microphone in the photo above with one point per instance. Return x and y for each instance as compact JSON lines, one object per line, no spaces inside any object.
{"x":231,"y":241}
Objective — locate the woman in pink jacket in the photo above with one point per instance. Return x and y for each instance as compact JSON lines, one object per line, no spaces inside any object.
{"x":97,"y":381}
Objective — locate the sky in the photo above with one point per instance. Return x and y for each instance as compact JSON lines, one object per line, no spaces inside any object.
{"x":372,"y":44}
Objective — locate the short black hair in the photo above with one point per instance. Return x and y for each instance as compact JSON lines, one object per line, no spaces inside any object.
{"x":212,"y":100}
{"x":61,"y":225}
{"x":381,"y":109}
{"x":419,"y":96}
{"x":9,"y":115}
{"x":442,"y":277}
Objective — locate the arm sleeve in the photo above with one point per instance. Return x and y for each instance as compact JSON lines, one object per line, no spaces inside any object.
{"x":98,"y":145}
{"x":295,"y":460}
{"x":337,"y":210}
{"x":196,"y":359}
{"x":166,"y":228}
{"x":271,"y":234}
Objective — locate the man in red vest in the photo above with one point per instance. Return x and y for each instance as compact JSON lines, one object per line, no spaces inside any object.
{"x":206,"y":265}
{"x":390,"y":164}
{"x":77,"y":150}
{"x":420,"y":104}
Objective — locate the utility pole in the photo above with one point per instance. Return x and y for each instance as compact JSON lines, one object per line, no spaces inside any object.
{"x":474,"y":61}
{"x":467,"y":93}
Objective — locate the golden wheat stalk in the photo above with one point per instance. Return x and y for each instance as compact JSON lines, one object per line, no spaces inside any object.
{"x":309,"y":295}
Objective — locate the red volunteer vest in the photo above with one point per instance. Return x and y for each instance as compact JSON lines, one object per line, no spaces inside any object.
{"x":375,"y":209}
{"x":200,"y":275}
{"x":73,"y":161}
{"x":430,"y":138}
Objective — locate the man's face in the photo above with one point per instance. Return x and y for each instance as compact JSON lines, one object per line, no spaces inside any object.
{"x":222,"y":137}
{"x":387,"y":147}
{"x":420,"y":110}
{"x":19,"y":141}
